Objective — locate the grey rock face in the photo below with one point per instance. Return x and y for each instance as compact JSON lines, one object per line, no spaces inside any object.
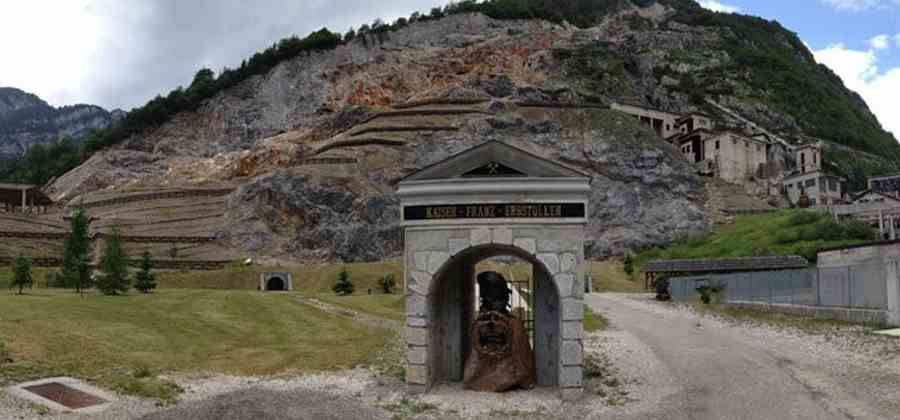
{"x":26,"y":120}
{"x":309,"y":218}
{"x":644,"y":192}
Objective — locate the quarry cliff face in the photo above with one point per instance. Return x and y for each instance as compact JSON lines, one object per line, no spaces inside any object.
{"x":315,"y":147}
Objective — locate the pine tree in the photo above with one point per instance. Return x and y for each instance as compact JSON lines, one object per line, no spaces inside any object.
{"x":114,"y":266}
{"x":628,"y":264}
{"x":76,"y":254}
{"x":344,"y":286}
{"x":144,"y":280}
{"x":22,"y":277}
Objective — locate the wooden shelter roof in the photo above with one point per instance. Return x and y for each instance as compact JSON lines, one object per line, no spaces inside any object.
{"x":725,"y":265}
{"x":12,"y":194}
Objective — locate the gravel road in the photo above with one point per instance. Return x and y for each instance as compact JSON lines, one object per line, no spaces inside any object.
{"x":727,"y":370}
{"x":657,"y":361}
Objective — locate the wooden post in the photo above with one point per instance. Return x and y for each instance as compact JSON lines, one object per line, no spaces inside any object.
{"x":893,"y":230}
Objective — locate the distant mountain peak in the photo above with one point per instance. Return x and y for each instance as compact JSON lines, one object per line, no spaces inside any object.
{"x":27,"y":120}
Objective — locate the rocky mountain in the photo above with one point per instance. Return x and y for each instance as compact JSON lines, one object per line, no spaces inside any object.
{"x":27,"y":120}
{"x":315,"y":146}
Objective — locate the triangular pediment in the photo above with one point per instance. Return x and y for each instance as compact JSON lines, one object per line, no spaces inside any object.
{"x":495,"y":159}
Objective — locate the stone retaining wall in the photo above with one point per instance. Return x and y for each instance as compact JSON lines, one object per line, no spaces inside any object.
{"x":157,"y":264}
{"x":863,"y":316}
{"x":161,"y":195}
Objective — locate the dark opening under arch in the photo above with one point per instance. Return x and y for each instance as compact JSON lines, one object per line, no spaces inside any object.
{"x":275,"y":284}
{"x":452,"y":307}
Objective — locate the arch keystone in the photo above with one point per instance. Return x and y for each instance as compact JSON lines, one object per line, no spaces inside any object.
{"x":503,"y":236}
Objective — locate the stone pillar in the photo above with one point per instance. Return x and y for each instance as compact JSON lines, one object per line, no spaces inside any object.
{"x":24,"y":199}
{"x":546,"y":342}
{"x":880,"y":224}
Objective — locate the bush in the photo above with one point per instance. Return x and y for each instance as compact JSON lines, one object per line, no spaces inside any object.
{"x":22,"y":277}
{"x":804,"y":218}
{"x":708,"y":292}
{"x":387,"y":283}
{"x":344,"y":286}
{"x":629,"y":264}
{"x":144,"y":280}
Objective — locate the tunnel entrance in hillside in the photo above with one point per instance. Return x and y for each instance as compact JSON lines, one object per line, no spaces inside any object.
{"x":505,"y":211}
{"x":275,"y":284}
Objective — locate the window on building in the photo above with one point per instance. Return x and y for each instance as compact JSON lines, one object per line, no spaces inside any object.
{"x":803,"y":158}
{"x":717,"y":145}
{"x":810,"y":183}
{"x":758,"y":148}
{"x":812,"y":201}
{"x":832,"y":185}
{"x":814,"y":158}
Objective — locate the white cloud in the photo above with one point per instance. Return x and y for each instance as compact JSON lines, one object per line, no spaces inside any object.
{"x":880,"y":42}
{"x":897,"y":39}
{"x":719,"y":7}
{"x":860,"y":5}
{"x":859,"y":71}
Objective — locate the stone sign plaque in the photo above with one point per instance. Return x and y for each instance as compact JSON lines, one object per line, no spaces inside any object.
{"x":495,"y":211}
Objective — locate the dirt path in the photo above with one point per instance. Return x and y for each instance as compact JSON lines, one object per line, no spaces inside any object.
{"x":370,"y":320}
{"x":727,"y":371}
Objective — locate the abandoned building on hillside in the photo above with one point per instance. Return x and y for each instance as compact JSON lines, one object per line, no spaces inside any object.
{"x":811,"y":180}
{"x":878,"y":206}
{"x":888,"y":184}
{"x":750,"y":159}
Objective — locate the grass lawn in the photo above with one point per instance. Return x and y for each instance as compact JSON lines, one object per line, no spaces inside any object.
{"x":593,"y":321}
{"x":384,"y":306}
{"x":307,"y":279}
{"x":123,"y":342}
{"x":787,"y":232}
{"x":610,"y":276}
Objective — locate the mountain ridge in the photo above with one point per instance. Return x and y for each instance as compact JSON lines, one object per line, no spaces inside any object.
{"x":27,"y":120}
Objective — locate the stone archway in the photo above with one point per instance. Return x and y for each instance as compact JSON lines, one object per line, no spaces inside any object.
{"x":440,"y":298}
{"x":493,"y":200}
{"x":452,"y":307}
{"x":275,"y":284}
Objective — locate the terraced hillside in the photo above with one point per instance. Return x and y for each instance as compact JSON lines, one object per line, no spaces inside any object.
{"x":189,"y":220}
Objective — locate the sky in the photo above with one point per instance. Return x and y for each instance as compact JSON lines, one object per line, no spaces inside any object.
{"x":120,"y":54}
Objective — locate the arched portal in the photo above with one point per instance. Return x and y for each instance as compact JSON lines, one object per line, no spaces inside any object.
{"x":493,"y":200}
{"x":275,"y":284}
{"x":452,"y":306}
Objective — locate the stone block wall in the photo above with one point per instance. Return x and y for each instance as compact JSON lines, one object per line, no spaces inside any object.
{"x":558,"y":250}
